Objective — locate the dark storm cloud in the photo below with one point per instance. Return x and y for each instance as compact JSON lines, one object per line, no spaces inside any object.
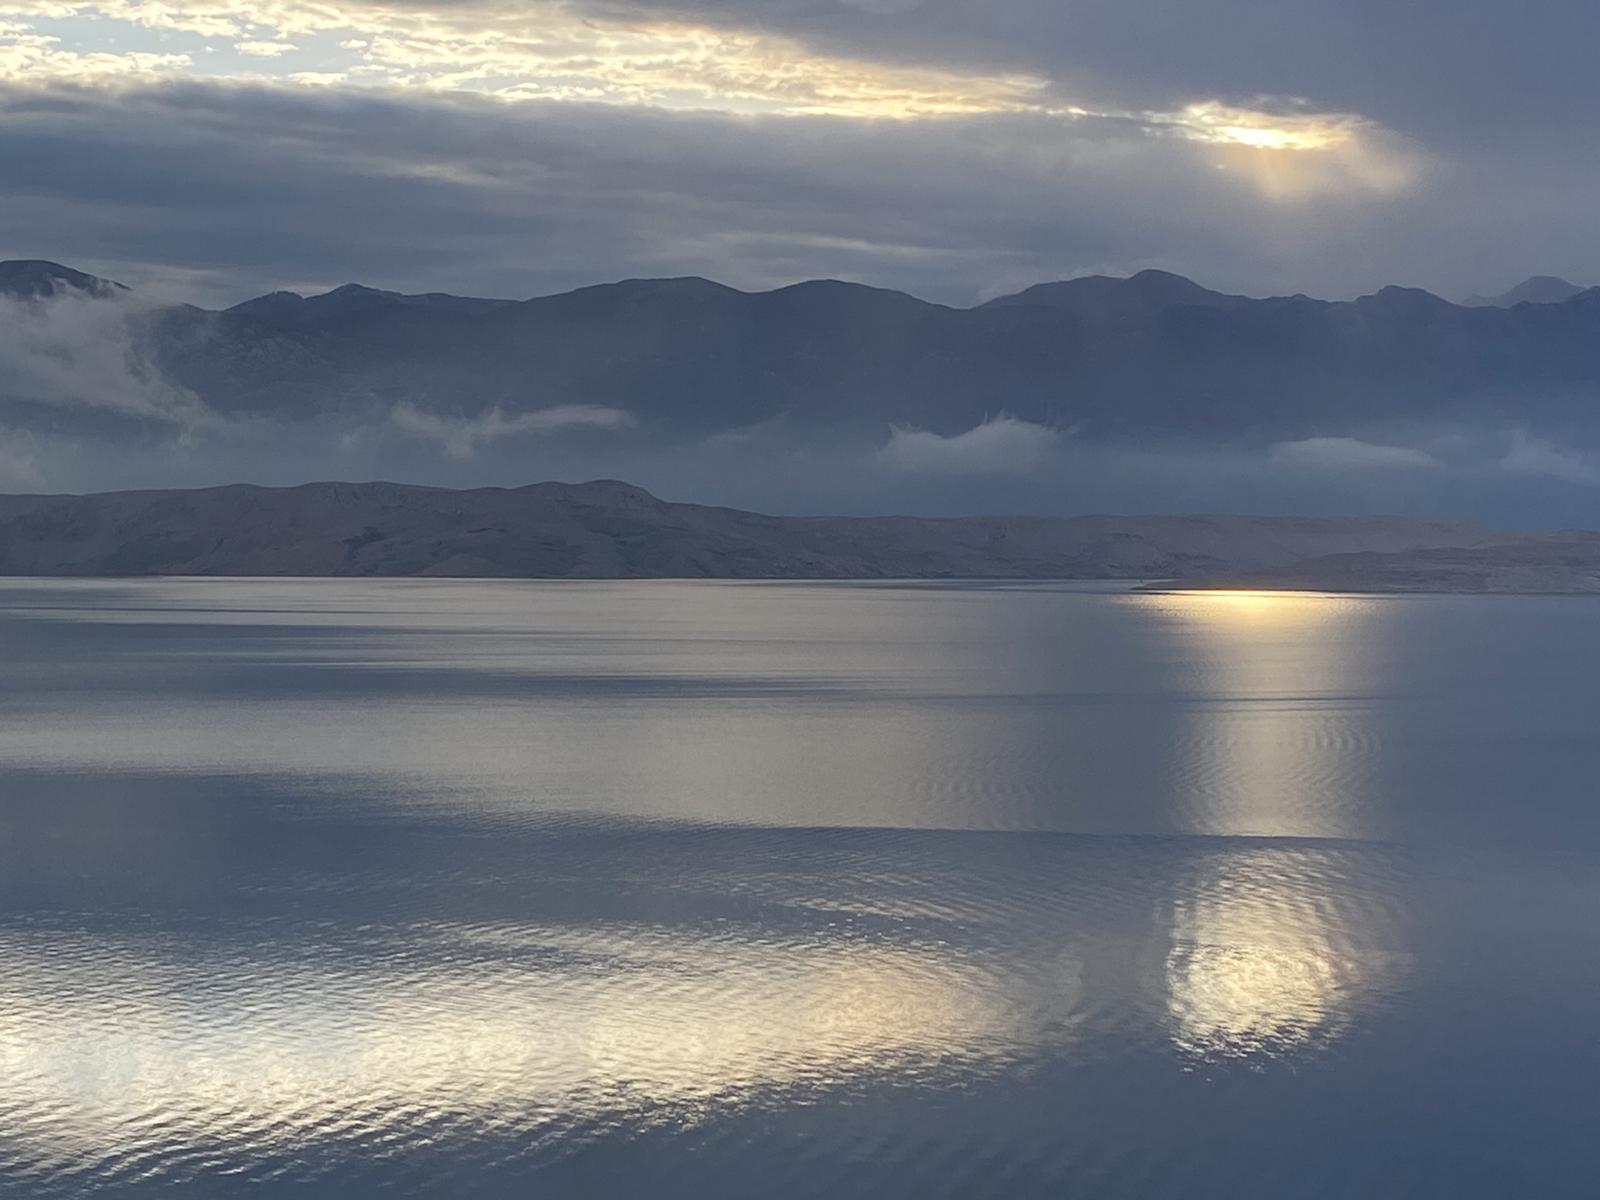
{"x":1457,"y":73}
{"x":1468,"y":168}
{"x":223,"y":190}
{"x":270,"y":187}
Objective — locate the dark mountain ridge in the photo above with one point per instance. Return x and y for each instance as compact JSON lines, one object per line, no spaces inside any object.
{"x":1106,"y":298}
{"x":37,"y":279}
{"x":1148,"y":358}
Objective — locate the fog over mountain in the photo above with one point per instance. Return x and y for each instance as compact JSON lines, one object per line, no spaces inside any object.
{"x":1151,"y":393}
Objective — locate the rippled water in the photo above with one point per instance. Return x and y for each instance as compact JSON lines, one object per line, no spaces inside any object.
{"x":333,"y":889}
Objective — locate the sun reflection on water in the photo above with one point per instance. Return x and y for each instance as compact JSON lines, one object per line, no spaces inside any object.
{"x":1265,"y":960}
{"x":1283,"y":739}
{"x":1261,"y":961}
{"x":122,"y":1054}
{"x":1222,"y":609}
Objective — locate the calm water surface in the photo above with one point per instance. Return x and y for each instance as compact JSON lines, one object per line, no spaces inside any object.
{"x":335,"y":889}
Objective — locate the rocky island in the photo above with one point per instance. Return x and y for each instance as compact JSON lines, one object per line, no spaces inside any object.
{"x":607,"y":529}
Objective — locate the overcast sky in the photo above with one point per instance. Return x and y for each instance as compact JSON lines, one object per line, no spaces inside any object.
{"x":955,"y":149}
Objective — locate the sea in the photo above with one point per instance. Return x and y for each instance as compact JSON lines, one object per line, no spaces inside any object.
{"x":424,"y":888}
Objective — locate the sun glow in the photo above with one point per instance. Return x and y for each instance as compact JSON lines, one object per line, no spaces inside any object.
{"x":548,"y":51}
{"x":1214,"y":122}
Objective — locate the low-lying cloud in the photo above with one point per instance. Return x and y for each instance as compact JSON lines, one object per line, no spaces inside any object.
{"x":19,"y":468}
{"x":84,"y":408}
{"x":78,"y":352}
{"x":1530,"y":455}
{"x":462,"y":436}
{"x":1003,"y":466}
{"x":1344,"y":454}
{"x":1002,"y":445}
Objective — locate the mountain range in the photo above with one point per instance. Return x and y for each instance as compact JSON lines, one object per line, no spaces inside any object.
{"x":1151,"y":357}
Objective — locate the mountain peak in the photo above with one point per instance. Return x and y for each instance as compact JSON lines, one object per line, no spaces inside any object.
{"x":841,"y":296}
{"x":1155,"y":279}
{"x":670,"y":285}
{"x":677,"y":294}
{"x":37,"y":279}
{"x":1395,"y":298}
{"x":1536,"y":289}
{"x":1102,"y":296}
{"x":270,"y":304}
{"x":356,"y":301}
{"x":352,"y":290}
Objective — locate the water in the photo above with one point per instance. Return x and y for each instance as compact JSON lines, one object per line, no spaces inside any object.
{"x":405,"y":888}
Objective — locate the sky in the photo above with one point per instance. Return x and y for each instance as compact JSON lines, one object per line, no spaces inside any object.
{"x":202,"y":150}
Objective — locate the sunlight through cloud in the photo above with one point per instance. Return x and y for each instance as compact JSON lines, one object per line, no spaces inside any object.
{"x":557,"y":52}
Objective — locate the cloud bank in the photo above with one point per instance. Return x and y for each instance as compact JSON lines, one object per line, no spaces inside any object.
{"x":1002,"y":445}
{"x":1340,"y":454}
{"x":947,"y":148}
{"x":1529,"y":455}
{"x":75,"y":352}
{"x":462,"y":436}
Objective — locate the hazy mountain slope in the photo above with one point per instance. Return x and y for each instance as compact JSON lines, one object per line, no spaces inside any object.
{"x":1143,"y":359}
{"x":1539,"y":289}
{"x":608,"y":529}
{"x":32,"y":279}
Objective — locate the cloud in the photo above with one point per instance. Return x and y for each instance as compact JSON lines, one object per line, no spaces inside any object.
{"x":1030,"y":139}
{"x":1534,"y":456}
{"x":774,"y":469}
{"x":1499,"y":71}
{"x":264,"y":49}
{"x":566,"y":51}
{"x":86,"y":354}
{"x":883,"y":7}
{"x":461,"y":436}
{"x":1344,"y":454}
{"x":1002,"y":445}
{"x":533,"y":49}
{"x":19,"y":466}
{"x":25,"y":53}
{"x":467,"y":194}
{"x":1291,"y":154}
